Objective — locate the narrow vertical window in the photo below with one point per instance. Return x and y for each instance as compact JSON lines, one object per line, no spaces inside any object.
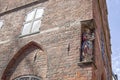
{"x":33,"y":21}
{"x":1,"y":23}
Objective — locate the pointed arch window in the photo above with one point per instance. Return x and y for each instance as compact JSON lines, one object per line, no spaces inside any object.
{"x":33,"y":21}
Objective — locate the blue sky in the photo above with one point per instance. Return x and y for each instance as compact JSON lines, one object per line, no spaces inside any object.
{"x":114,"y":24}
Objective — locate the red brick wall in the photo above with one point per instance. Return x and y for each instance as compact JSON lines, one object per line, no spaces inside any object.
{"x":60,"y":30}
{"x":30,"y":60}
{"x":6,"y":5}
{"x":101,"y":22}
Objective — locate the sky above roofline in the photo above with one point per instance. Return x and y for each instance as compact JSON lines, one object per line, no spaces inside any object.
{"x":114,"y":23}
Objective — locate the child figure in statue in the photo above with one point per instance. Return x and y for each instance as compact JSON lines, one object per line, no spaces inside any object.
{"x":87,"y":45}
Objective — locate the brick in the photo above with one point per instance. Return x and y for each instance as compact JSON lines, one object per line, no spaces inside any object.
{"x":53,"y":53}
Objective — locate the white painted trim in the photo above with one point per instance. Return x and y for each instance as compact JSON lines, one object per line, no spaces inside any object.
{"x":71,"y":24}
{"x":6,"y":41}
{"x":2,"y":21}
{"x":49,"y":30}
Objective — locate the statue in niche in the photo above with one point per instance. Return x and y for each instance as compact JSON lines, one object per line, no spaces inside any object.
{"x":88,"y":37}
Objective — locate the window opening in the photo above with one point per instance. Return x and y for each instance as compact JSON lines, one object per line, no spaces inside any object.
{"x":33,"y":21}
{"x":1,"y":23}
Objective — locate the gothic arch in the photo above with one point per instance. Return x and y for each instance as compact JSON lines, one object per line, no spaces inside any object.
{"x":13,"y":62}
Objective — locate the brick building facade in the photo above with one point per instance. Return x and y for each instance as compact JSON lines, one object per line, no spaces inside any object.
{"x":50,"y":47}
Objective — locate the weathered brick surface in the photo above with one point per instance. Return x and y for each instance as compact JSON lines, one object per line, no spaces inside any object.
{"x":8,"y":5}
{"x":26,"y":63}
{"x":99,"y":15}
{"x":57,"y":62}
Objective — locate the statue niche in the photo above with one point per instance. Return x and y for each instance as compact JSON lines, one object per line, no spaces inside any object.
{"x":87,"y":44}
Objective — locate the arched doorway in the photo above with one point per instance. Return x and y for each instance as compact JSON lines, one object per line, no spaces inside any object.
{"x":31,"y":59}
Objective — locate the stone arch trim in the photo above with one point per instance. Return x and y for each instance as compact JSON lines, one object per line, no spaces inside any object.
{"x":29,"y":76}
{"x":11,"y":62}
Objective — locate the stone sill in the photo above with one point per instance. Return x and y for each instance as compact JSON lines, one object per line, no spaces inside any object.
{"x":28,"y":34}
{"x":87,"y":63}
